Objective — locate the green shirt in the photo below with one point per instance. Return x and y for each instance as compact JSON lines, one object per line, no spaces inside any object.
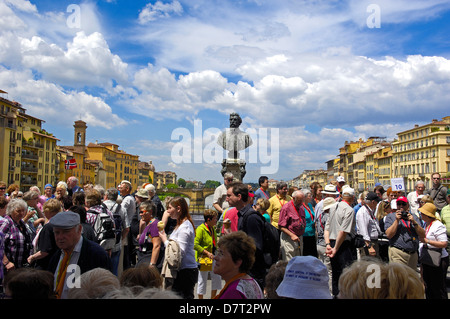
{"x":445,"y":217}
{"x":204,"y":240}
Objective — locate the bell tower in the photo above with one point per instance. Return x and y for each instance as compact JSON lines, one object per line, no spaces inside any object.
{"x":80,"y":136}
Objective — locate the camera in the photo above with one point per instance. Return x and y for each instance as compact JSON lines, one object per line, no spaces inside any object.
{"x":405,"y":215}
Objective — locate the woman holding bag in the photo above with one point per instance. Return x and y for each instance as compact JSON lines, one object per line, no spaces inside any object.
{"x":435,"y":239}
{"x":184,"y":236}
{"x":205,"y":246}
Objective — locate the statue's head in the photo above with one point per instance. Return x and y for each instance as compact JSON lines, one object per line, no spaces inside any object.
{"x":235,"y":120}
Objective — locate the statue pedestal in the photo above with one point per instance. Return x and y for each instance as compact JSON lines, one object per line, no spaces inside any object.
{"x":234,"y":166}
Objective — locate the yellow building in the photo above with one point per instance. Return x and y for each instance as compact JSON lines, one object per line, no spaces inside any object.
{"x":146,"y":172}
{"x":97,"y":163}
{"x":85,"y":171}
{"x":118,"y":164}
{"x":28,"y":153}
{"x":164,"y":178}
{"x":421,"y":151}
{"x":383,"y":166}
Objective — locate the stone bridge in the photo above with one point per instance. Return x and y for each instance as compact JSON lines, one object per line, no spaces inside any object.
{"x":196,"y":197}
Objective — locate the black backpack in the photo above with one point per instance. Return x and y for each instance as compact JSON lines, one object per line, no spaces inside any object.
{"x":271,"y":240}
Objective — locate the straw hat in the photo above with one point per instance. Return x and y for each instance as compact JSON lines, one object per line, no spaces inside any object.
{"x":429,"y":210}
{"x":328,"y":203}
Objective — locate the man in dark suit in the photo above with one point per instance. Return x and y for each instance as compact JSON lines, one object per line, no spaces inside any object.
{"x":76,"y":254}
{"x":252,"y":224}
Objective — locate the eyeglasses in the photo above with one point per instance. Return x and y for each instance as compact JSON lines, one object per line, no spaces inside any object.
{"x":401,"y":204}
{"x":218,"y":253}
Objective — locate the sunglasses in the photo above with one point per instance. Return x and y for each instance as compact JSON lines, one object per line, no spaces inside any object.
{"x":2,"y":188}
{"x":401,"y":204}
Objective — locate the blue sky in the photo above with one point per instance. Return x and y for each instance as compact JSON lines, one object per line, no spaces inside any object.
{"x":314,"y":71}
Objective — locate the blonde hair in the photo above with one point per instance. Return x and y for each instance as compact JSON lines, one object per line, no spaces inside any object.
{"x":93,"y":197}
{"x":383,"y":209}
{"x":141,"y":276}
{"x":264,"y":203}
{"x":427,"y":199}
{"x":52,"y":206}
{"x":396,"y":281}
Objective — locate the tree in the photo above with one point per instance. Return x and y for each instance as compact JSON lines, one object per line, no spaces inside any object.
{"x":212,"y":184}
{"x":190,"y":185}
{"x":181,"y":182}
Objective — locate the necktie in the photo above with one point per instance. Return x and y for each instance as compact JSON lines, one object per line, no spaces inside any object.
{"x":62,"y":274}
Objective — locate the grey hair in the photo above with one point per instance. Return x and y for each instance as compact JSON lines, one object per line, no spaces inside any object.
{"x":15,"y":204}
{"x":306,"y":191}
{"x":150,"y":188}
{"x":35,"y":189}
{"x":148,"y":205}
{"x":298,"y":192}
{"x":112,"y":194}
{"x":228,"y":175}
{"x":419,"y":182}
{"x":73,"y":178}
{"x":30,"y":195}
{"x":100,"y":189}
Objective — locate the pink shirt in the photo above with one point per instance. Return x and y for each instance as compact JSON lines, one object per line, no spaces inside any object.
{"x":292,"y":218}
{"x":231,"y":214}
{"x":243,"y":289}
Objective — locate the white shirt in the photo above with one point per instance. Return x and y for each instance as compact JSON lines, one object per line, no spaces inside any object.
{"x":436,"y":232}
{"x":367,"y":225}
{"x":220,"y":194}
{"x":413,"y":203}
{"x":129,"y":205}
{"x":184,"y":235}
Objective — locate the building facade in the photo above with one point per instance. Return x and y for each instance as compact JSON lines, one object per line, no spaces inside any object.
{"x":28,"y":155}
{"x":421,"y":151}
{"x":164,"y":178}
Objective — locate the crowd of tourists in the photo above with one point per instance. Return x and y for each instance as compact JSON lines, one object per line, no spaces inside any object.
{"x":321,"y":242}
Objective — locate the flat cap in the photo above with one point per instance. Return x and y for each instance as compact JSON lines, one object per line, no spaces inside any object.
{"x":65,"y":220}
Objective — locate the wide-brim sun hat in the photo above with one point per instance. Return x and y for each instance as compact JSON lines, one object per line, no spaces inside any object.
{"x":429,"y":210}
{"x":329,"y":203}
{"x":330,"y":189}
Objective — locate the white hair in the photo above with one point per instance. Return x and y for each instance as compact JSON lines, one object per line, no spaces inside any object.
{"x":150,"y":188}
{"x":228,"y":175}
{"x":418,"y":183}
{"x":14,"y":204}
{"x":100,"y":189}
{"x":298,"y":192}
